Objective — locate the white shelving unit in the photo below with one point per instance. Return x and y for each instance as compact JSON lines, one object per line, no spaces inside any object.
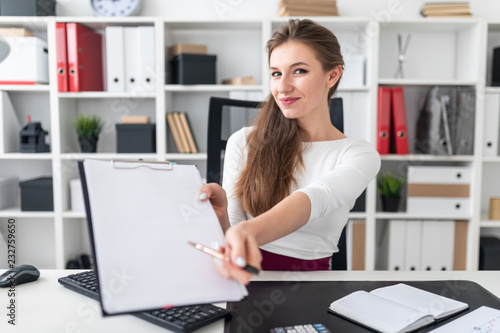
{"x":445,"y":52}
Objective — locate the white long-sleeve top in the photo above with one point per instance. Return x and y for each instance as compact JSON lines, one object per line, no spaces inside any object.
{"x":336,"y":172}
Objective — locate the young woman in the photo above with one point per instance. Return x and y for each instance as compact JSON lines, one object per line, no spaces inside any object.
{"x":290,"y":180}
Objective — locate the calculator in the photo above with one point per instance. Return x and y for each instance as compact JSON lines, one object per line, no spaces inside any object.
{"x":309,"y":328}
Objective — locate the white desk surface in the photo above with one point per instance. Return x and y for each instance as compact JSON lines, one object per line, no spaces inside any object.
{"x":47,"y":306}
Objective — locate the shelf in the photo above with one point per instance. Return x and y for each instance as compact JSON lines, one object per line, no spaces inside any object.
{"x":108,"y":156}
{"x":186,"y":157}
{"x":26,"y":156}
{"x":107,"y":94}
{"x":407,"y":216}
{"x":433,"y":25}
{"x":74,"y":215}
{"x":427,"y":158}
{"x":421,"y":82}
{"x":211,"y":88}
{"x":491,"y":159}
{"x":489,"y":224}
{"x":16,"y":212}
{"x":25,"y":87}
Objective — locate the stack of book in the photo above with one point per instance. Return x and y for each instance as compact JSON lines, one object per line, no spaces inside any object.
{"x":443,"y":9}
{"x":181,"y":132}
{"x":308,"y":8}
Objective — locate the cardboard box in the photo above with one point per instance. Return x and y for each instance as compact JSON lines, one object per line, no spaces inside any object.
{"x":27,"y":62}
{"x":186,"y":48}
{"x":15,"y":32}
{"x":9,"y":191}
{"x":37,"y":194}
{"x":240,"y":80}
{"x":193,"y":69}
{"x":135,"y":120}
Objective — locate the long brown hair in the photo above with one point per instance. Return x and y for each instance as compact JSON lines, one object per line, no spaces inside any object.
{"x":275,"y":143}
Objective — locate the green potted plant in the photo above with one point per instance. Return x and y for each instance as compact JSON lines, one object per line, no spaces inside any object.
{"x":88,"y":128}
{"x":390,"y":185}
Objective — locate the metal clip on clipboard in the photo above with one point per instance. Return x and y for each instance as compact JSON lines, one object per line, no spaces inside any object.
{"x":134,"y":164}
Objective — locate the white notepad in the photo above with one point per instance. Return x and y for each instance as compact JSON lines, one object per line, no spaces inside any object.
{"x":141,"y":216}
{"x":395,"y":309}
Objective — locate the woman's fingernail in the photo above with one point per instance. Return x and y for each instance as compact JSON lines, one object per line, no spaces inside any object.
{"x":203,"y":196}
{"x":215,"y":246}
{"x":218,"y":262}
{"x":241,"y":262}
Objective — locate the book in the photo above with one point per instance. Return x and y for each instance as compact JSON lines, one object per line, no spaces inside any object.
{"x":396,"y":308}
{"x":189,"y":134}
{"x":445,"y":9}
{"x":175,"y":132}
{"x":182,"y":133}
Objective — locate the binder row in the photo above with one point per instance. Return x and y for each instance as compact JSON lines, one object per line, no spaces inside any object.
{"x":445,"y":125}
{"x":425,"y":245}
{"x":79,"y":58}
{"x":129,"y":56}
{"x":392,"y":129}
{"x":181,"y":132}
{"x":130,"y":59}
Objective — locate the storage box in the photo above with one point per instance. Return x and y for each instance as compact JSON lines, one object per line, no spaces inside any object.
{"x":135,"y":138}
{"x":27,"y":62}
{"x":27,"y":7}
{"x":186,"y":48}
{"x":354,"y":73}
{"x":193,"y":69}
{"x":9,"y":191}
{"x":489,"y":253}
{"x":37,"y":194}
{"x":439,"y":189}
{"x":77,"y":203}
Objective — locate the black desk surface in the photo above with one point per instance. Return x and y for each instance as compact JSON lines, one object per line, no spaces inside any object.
{"x":283,"y":303}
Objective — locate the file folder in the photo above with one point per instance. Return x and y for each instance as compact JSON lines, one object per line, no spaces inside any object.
{"x":413,"y":245}
{"x":84,"y":58}
{"x":131,"y":59}
{"x":491,"y":124}
{"x":141,"y":216}
{"x":115,"y":59}
{"x":61,"y":58}
{"x":147,"y":78}
{"x":384,"y":120}
{"x":400,"y":132}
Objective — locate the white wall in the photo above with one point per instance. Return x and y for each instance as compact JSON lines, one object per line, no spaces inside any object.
{"x":237,"y":9}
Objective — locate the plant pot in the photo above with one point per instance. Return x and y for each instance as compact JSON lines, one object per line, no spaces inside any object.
{"x":88,"y":144}
{"x":390,"y":204}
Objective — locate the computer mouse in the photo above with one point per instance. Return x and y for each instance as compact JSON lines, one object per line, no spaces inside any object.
{"x":19,"y":275}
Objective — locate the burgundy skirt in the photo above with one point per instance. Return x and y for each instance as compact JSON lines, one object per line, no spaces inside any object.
{"x":277,"y":262}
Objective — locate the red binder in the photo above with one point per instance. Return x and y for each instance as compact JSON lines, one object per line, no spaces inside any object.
{"x":84,"y":58}
{"x":384,"y":120}
{"x":399,"y":121}
{"x":62,"y":58}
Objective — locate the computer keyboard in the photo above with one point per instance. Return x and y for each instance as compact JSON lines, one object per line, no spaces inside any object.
{"x":180,"y":319}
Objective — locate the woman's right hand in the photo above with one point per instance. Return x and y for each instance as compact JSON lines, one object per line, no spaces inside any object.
{"x":242,"y":249}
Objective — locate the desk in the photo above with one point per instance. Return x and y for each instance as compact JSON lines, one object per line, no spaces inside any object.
{"x":46,"y":306}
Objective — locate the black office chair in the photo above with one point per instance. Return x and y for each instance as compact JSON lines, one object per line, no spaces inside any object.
{"x":216,"y":146}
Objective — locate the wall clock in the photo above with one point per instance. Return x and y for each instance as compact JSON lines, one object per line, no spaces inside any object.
{"x":116,"y":8}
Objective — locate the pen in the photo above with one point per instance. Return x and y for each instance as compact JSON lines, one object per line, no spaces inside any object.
{"x":220,"y":256}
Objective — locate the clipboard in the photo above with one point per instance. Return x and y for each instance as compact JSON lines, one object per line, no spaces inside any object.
{"x":141,"y":216}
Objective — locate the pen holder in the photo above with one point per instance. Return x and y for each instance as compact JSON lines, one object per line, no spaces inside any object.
{"x":494,"y":208}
